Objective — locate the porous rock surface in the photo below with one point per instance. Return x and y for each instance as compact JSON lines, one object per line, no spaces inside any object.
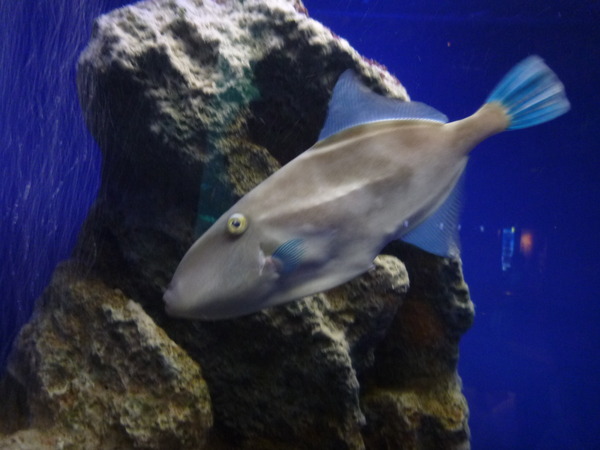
{"x":193,"y":103}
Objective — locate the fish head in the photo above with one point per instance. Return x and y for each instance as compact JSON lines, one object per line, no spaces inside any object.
{"x":228,"y":272}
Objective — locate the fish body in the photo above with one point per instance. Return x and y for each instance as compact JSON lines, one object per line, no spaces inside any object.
{"x":386,"y":170}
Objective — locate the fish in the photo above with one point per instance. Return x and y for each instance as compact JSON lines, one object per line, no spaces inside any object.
{"x":383,"y":169}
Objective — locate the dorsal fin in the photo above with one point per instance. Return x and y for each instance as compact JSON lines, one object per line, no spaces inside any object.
{"x":352,"y":103}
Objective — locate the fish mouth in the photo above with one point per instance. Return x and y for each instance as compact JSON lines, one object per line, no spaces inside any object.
{"x":173,"y":304}
{"x":178,"y":309}
{"x":169,"y":300}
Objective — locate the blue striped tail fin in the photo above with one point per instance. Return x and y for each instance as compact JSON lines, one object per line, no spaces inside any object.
{"x":531,"y":93}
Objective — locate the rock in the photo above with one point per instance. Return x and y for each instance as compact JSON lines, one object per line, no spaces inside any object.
{"x":412,"y":394}
{"x":98,"y":372}
{"x":289,"y":374}
{"x":193,"y":103}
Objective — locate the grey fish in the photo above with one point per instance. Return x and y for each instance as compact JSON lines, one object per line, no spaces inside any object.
{"x":382,"y":170}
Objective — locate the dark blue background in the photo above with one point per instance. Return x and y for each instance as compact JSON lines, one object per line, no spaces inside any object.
{"x":530,"y":364}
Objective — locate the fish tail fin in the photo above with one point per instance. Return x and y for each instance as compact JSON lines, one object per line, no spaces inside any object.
{"x":531,"y":94}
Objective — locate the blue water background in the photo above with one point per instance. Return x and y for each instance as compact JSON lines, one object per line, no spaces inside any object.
{"x":530,"y":364}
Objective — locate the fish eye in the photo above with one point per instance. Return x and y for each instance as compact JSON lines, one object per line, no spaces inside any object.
{"x":237,"y":223}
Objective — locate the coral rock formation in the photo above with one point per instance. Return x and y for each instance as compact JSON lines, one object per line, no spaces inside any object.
{"x":193,"y":103}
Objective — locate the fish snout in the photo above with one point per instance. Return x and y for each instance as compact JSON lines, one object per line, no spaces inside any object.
{"x":180,"y":306}
{"x":173,"y":302}
{"x":169,"y":299}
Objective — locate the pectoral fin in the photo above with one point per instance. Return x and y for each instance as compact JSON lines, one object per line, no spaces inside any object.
{"x":289,"y":255}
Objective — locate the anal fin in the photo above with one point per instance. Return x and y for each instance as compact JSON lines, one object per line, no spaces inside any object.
{"x":438,"y":233}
